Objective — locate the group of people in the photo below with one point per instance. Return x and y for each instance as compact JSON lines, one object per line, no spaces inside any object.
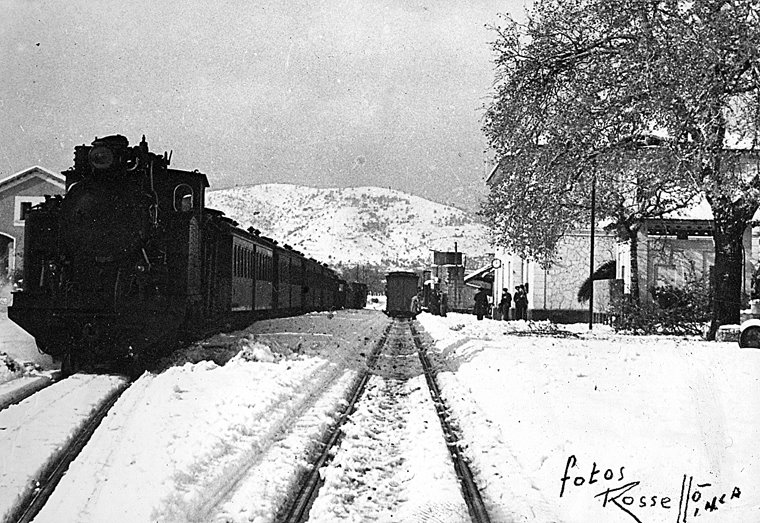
{"x":521,"y":303}
{"x":438,"y":303}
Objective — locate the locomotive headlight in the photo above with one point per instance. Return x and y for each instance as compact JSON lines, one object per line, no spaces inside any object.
{"x":101,"y":157}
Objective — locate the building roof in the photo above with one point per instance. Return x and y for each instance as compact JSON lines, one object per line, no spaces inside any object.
{"x":56,"y":179}
{"x":484,"y":274}
{"x":679,"y":227}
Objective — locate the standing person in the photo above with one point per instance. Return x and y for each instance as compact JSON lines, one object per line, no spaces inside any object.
{"x":435,"y":303}
{"x":505,"y":304}
{"x":444,"y":304}
{"x":521,"y":303}
{"x":414,"y":307}
{"x":481,"y":303}
{"x":525,"y":302}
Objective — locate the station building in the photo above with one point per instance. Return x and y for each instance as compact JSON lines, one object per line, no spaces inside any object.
{"x":674,"y":250}
{"x":552,"y":291}
{"x":19,"y":193}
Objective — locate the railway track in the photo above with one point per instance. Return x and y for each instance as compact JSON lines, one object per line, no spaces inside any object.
{"x":390,"y":360}
{"x":50,"y":473}
{"x":470,"y":491}
{"x":20,"y":389}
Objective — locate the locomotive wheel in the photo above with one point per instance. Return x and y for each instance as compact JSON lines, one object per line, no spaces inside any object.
{"x":750,"y":338}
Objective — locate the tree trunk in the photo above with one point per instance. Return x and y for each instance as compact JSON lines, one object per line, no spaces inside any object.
{"x":633,"y":236}
{"x":728,"y":272}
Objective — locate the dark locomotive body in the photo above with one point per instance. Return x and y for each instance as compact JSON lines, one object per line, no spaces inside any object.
{"x":130,"y":259}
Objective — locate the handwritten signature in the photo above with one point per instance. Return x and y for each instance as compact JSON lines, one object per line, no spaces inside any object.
{"x":624,"y":498}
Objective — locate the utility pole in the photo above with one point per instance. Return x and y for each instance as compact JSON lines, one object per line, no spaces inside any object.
{"x":591,"y":261}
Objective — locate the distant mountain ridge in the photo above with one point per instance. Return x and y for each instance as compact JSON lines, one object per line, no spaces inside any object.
{"x":358,"y":225}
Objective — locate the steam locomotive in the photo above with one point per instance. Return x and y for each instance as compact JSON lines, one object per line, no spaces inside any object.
{"x":130,"y":260}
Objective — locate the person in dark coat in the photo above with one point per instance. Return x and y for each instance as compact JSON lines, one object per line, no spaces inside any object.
{"x":481,"y":303}
{"x":435,"y":302}
{"x":505,"y":304}
{"x":444,"y":304}
{"x":521,"y":303}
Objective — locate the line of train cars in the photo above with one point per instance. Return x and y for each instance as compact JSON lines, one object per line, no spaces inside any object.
{"x":130,"y":260}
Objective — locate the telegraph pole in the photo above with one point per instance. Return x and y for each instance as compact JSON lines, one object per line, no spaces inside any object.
{"x":591,"y":261}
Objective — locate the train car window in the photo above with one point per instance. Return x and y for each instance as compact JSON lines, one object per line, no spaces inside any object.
{"x":183,"y":198}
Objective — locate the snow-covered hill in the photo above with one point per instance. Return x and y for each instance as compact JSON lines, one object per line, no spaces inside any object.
{"x":362,"y":225}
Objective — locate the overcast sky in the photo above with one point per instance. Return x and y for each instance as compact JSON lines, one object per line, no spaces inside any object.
{"x":328,"y":93}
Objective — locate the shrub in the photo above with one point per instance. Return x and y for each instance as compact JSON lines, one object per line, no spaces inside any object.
{"x":673,"y":310}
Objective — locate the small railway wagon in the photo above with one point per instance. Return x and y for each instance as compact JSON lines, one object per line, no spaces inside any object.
{"x":400,"y":288}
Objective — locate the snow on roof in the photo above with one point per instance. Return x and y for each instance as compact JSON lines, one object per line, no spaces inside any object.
{"x":700,"y":210}
{"x":56,"y":179}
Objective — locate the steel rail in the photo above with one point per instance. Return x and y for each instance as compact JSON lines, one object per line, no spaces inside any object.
{"x":470,"y":491}
{"x":51,"y":476}
{"x":298,"y":510}
{"x":33,"y":386}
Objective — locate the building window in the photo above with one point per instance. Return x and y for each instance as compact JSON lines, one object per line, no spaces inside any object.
{"x":25,"y":208}
{"x":183,"y":198}
{"x":23,"y":204}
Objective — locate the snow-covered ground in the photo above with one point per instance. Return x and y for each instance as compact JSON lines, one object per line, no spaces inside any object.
{"x":20,"y":347}
{"x":554,"y":422}
{"x":551,"y":423}
{"x":34,"y":431}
